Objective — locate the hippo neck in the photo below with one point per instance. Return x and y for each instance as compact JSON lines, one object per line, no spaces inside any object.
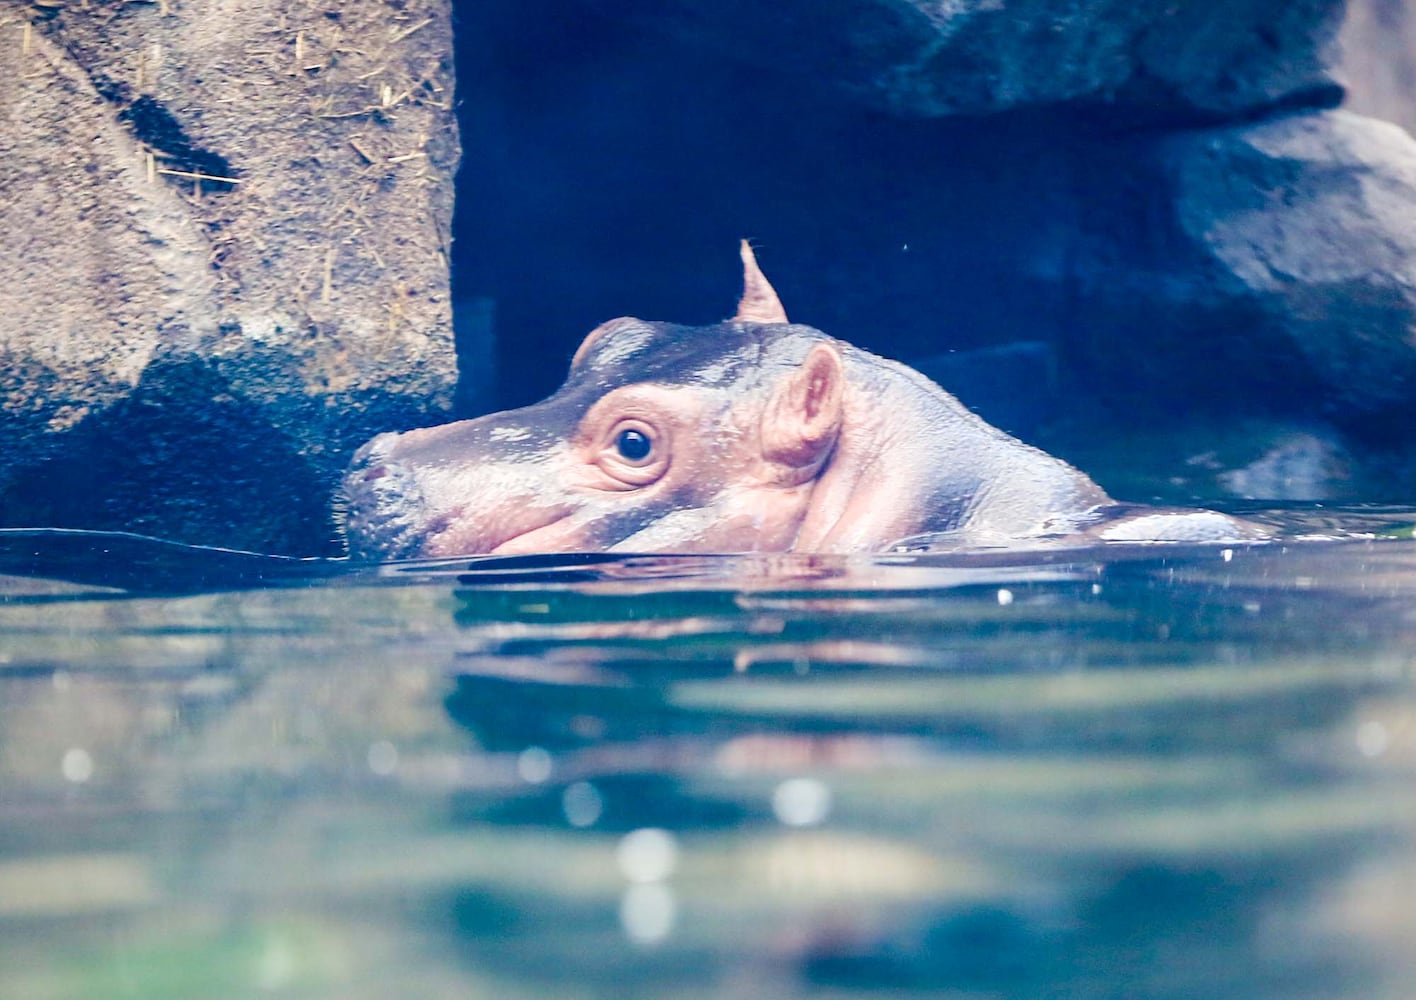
{"x":911,"y":459}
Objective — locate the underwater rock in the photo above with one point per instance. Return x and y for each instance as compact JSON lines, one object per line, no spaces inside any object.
{"x":1302,"y":466}
{"x":217,"y":222}
{"x":1156,"y":63}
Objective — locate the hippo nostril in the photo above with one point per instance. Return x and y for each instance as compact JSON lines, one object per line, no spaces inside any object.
{"x":384,"y":509}
{"x":383,"y":478}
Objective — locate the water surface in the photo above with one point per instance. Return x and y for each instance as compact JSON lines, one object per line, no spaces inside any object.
{"x":1125,"y":771}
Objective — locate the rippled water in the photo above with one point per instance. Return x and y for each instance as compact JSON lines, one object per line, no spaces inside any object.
{"x":1109,"y":772}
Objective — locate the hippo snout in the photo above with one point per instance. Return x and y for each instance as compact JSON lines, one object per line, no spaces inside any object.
{"x":384,"y":508}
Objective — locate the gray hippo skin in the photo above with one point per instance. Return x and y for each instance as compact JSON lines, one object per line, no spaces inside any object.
{"x":754,"y":435}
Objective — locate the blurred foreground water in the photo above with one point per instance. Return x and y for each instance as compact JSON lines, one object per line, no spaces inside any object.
{"x":1110,"y":772}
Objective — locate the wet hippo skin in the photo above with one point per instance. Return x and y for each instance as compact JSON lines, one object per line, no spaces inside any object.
{"x":756,"y":434}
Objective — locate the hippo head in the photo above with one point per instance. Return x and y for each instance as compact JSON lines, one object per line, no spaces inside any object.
{"x":662,"y":437}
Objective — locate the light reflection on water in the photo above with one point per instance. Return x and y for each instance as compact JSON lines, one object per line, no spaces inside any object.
{"x":1141,"y":772}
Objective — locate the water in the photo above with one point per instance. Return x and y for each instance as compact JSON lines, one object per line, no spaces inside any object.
{"x":1123,"y":772}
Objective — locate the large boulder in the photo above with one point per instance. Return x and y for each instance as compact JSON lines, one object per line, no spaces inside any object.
{"x":1146,"y":62}
{"x":1271,"y":262}
{"x":225,"y":236}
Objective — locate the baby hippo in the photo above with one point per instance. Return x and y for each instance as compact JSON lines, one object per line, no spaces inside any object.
{"x":754,"y":435}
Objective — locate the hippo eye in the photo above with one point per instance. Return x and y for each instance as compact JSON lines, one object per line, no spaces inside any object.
{"x":633,"y":445}
{"x":633,"y":454}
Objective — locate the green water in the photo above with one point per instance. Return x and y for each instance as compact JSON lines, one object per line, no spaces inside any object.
{"x":1119,"y":772}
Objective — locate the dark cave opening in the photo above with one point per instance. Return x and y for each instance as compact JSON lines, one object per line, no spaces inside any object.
{"x":610,"y":172}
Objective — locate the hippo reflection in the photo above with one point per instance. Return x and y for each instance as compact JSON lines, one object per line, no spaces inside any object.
{"x":756,"y":434}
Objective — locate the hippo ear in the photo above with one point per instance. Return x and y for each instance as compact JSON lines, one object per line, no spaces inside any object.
{"x":606,"y":329}
{"x":802,"y":418}
{"x":759,"y":303}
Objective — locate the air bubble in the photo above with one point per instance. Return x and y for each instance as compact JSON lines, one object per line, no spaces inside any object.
{"x":647,"y":855}
{"x":534,"y":765}
{"x":76,"y":765}
{"x":582,"y":804}
{"x":383,"y":758}
{"x":802,"y":802}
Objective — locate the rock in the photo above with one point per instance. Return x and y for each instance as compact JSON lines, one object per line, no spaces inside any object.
{"x":1271,"y":264}
{"x":1314,"y":216}
{"x":85,"y":298}
{"x":225,"y":234}
{"x":1301,"y":466}
{"x":1196,"y":458}
{"x":1158,"y":63}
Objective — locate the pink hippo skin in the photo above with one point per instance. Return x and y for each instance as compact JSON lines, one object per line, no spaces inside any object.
{"x":755,"y":435}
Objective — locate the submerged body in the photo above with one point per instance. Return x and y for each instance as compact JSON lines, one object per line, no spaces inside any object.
{"x":753,"y":435}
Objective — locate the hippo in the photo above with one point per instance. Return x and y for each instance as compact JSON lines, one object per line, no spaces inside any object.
{"x":753,"y":435}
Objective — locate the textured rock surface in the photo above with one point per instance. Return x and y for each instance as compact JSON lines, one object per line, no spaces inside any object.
{"x":946,"y":57}
{"x":224,"y":237}
{"x":1315,"y":217}
{"x":1272,"y":262}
